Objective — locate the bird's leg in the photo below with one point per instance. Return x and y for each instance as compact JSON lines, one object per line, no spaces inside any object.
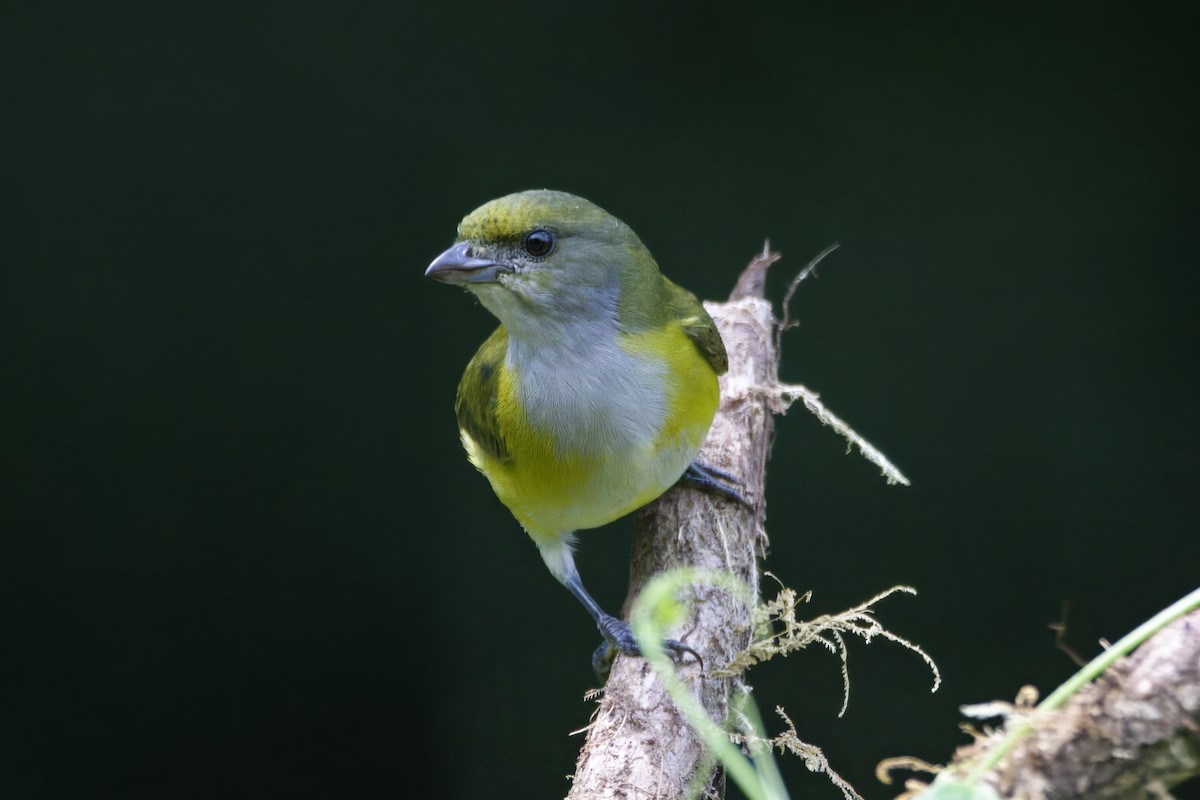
{"x":618,"y":637}
{"x":716,"y":481}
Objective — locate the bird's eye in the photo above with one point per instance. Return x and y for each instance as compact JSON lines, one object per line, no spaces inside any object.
{"x":539,"y":243}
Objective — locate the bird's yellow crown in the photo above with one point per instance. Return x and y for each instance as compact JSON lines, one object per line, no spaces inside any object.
{"x":509,"y":217}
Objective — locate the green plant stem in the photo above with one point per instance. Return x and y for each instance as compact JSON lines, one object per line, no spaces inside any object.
{"x":654,"y":610}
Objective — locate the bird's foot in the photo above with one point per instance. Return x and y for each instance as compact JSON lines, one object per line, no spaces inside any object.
{"x":713,"y":480}
{"x":618,"y":638}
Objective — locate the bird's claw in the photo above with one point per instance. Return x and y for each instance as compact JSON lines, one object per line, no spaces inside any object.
{"x":618,"y":638}
{"x":713,"y":480}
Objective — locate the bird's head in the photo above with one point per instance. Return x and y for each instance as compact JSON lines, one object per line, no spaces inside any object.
{"x":541,"y":256}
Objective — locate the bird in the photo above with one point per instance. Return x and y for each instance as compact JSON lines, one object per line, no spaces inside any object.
{"x":594,"y":394}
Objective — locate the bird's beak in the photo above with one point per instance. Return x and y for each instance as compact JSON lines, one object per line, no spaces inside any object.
{"x":457,"y":265}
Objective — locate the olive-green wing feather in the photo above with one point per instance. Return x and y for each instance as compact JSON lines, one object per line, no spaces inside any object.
{"x":698,"y":325}
{"x":475,"y":404}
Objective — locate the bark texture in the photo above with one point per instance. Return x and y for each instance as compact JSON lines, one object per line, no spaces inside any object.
{"x":1131,"y":735}
{"x":638,"y":745}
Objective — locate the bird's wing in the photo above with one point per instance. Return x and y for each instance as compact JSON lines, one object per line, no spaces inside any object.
{"x":698,"y":325}
{"x":475,"y":404}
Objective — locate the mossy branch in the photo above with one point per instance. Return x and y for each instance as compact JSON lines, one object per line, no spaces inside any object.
{"x":1125,"y":727}
{"x":639,"y":742}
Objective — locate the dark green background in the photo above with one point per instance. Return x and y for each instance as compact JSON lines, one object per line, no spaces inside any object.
{"x":242,"y":553}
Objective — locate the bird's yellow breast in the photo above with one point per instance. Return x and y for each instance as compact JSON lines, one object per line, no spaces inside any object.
{"x":591,"y":438}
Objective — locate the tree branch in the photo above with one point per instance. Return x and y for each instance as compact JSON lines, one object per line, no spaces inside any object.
{"x":1131,"y":734}
{"x":638,"y":745}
